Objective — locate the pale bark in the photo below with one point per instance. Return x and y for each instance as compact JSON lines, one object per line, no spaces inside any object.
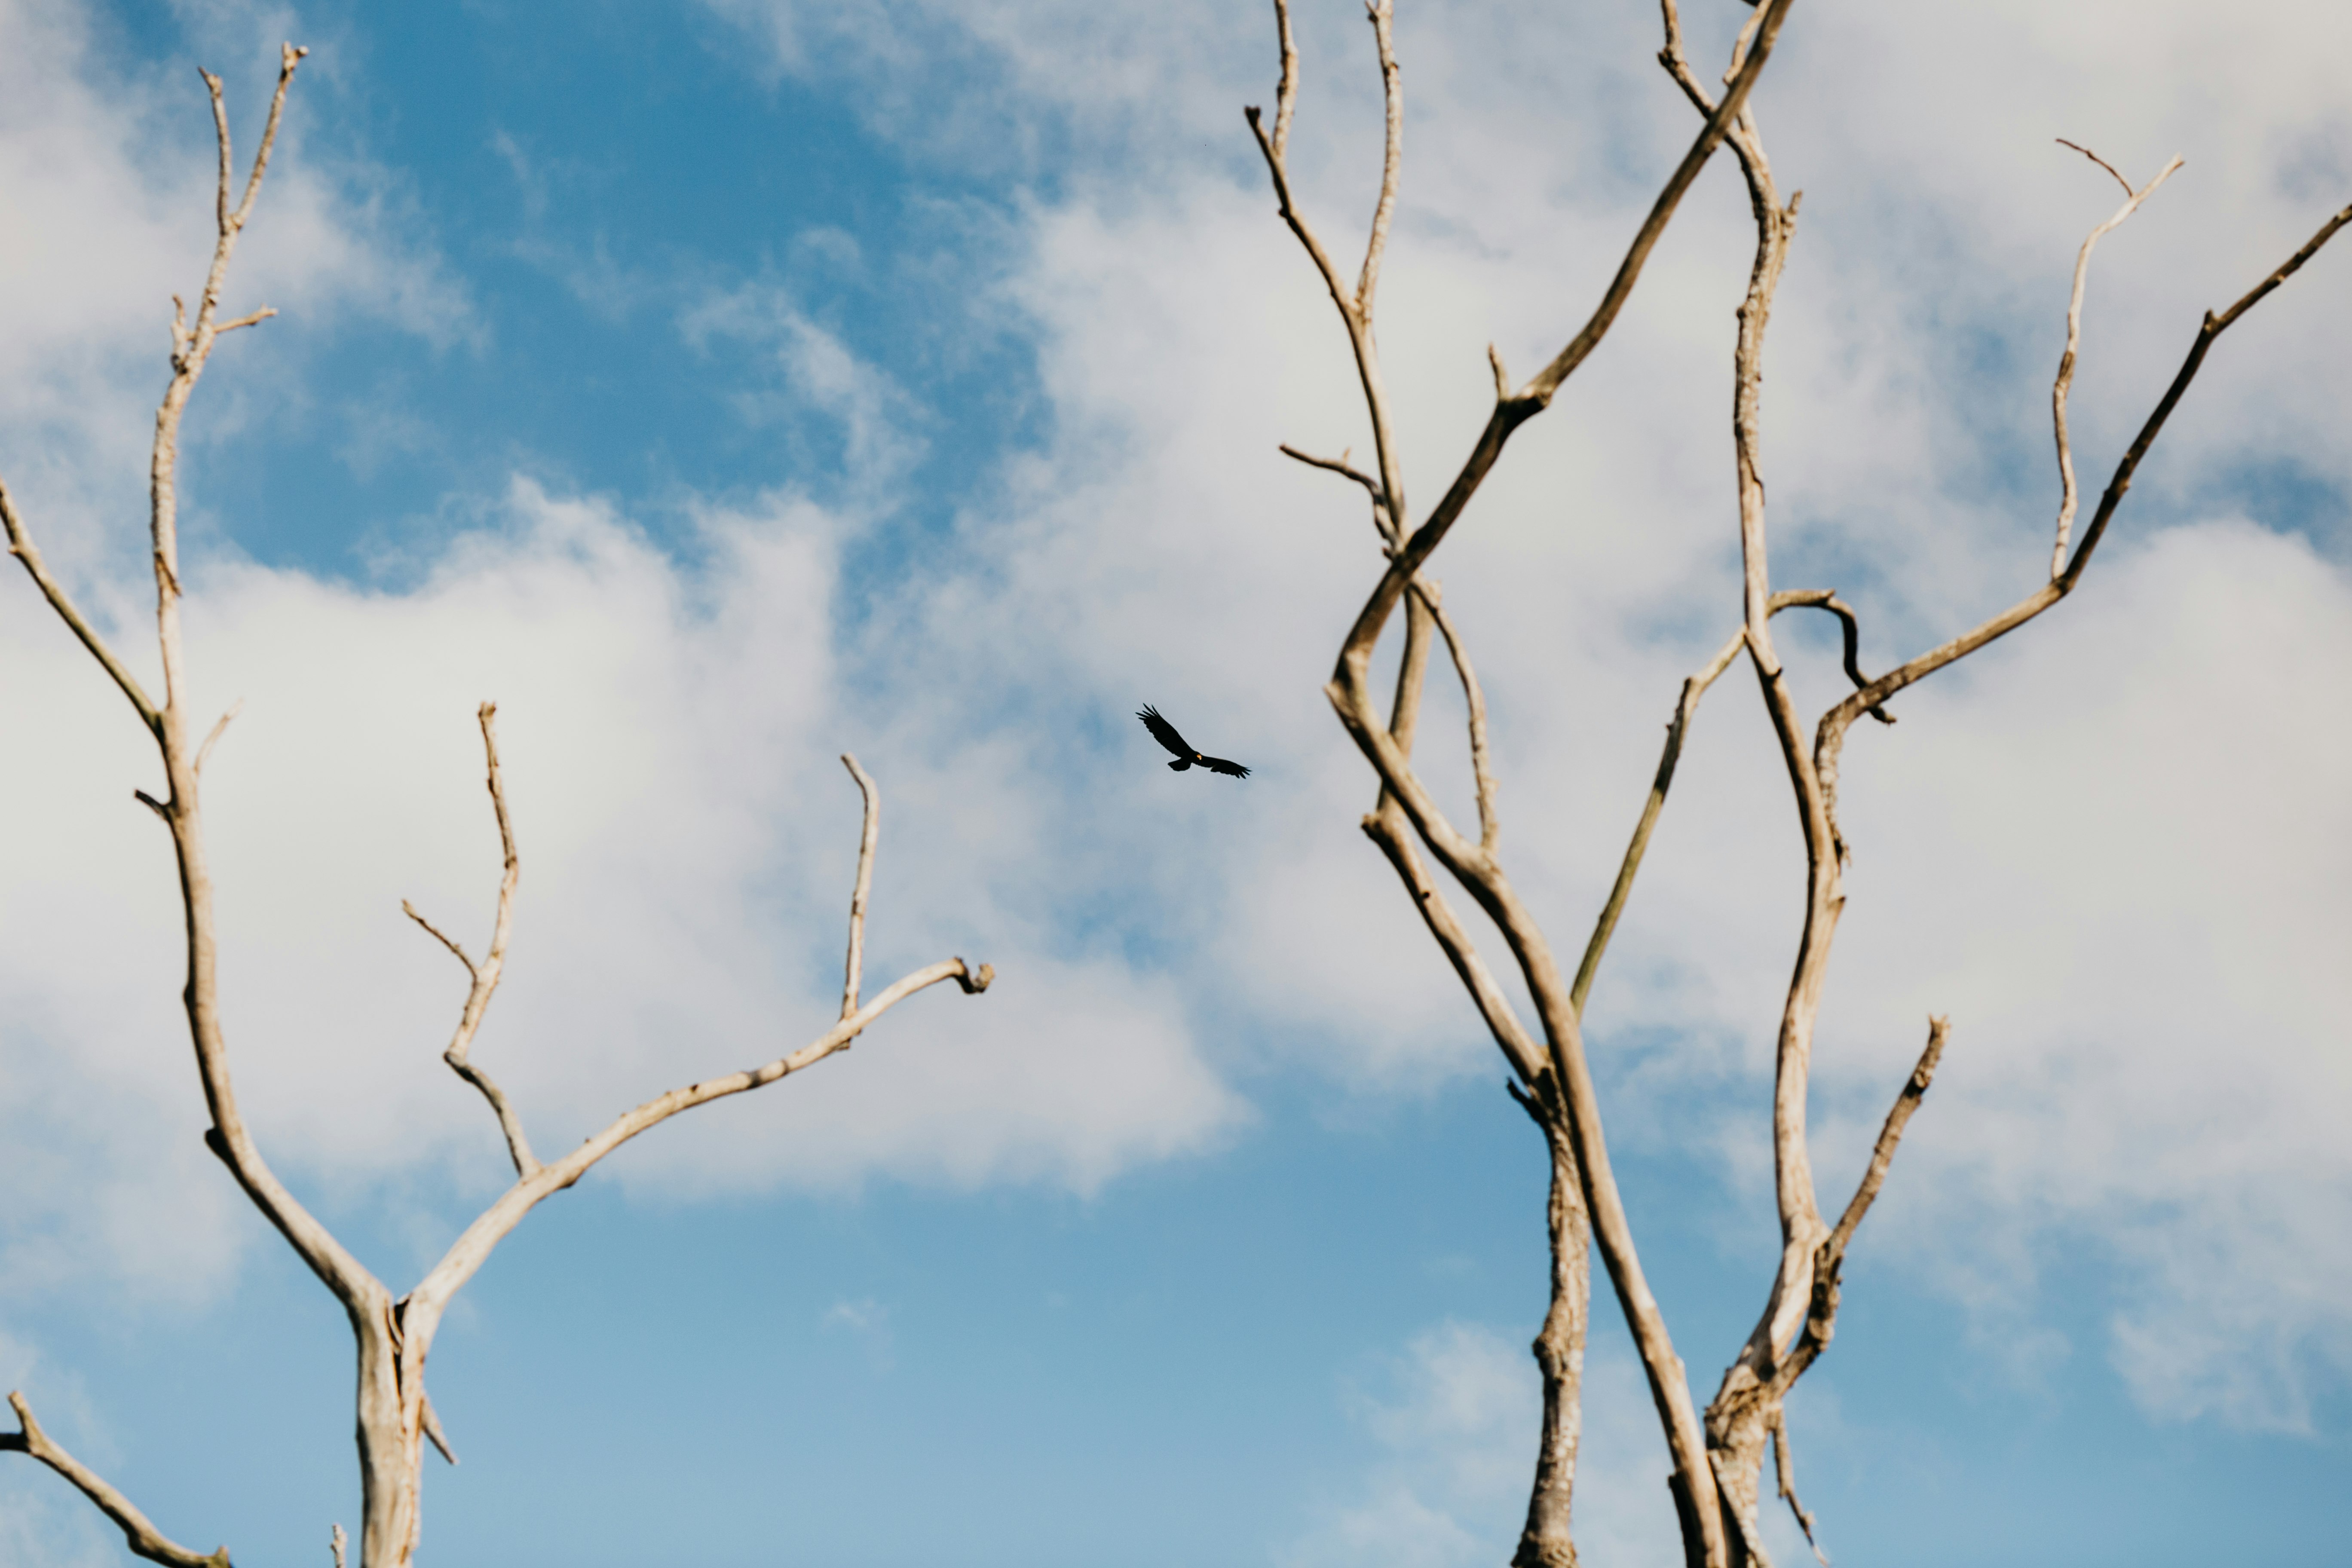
{"x":1717,"y":1468}
{"x":138,"y":1533}
{"x":1477,"y":867}
{"x":392,"y":1337}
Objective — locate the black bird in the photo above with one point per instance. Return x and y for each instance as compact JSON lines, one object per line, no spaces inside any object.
{"x":1165,"y":734}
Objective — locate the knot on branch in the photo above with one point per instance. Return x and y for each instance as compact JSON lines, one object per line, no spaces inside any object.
{"x":973,"y":981}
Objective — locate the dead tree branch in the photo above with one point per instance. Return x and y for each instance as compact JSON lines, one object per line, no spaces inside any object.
{"x":865,"y":843}
{"x":2132,"y":199}
{"x":141,"y":1536}
{"x":1475,"y":866}
{"x":485,"y":976}
{"x":392,"y":1337}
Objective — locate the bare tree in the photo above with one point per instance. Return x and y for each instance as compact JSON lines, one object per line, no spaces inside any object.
{"x":1717,"y":1454}
{"x":394,"y":1335}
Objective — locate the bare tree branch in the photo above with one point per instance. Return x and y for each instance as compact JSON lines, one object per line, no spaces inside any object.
{"x":432,"y":1430}
{"x":143,"y":1538}
{"x":2075,"y":337}
{"x":865,"y":844}
{"x":1381,"y":14}
{"x":21,"y":546}
{"x":336,"y":1539}
{"x":1511,"y":412}
{"x":220,"y":728}
{"x":1785,"y":1472}
{"x":1340,"y":465}
{"x":1831,"y":736}
{"x":1387,"y":829}
{"x":485,"y":976}
{"x":1489,"y":829}
{"x":1686,"y":708}
{"x":1355,"y":312}
{"x":1882,"y":1154}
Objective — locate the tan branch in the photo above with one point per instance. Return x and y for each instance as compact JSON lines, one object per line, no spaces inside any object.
{"x":484,"y":978}
{"x":220,"y":728}
{"x":1510,"y":413}
{"x":1387,"y":829}
{"x":1482,"y":769}
{"x":1340,"y":465}
{"x":337,"y":1540}
{"x":1831,"y":736}
{"x":432,"y":1422}
{"x":1355,"y":309}
{"x":2074,"y":339}
{"x":1285,"y":94}
{"x":473,"y":1247}
{"x":1380,"y":13}
{"x":1882,"y":1154}
{"x":865,"y":844}
{"x":143,"y":1538}
{"x":1686,"y":708}
{"x":21,"y":546}
{"x":1785,"y":1472}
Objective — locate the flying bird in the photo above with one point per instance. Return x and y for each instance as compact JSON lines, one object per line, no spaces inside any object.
{"x":1165,"y":734}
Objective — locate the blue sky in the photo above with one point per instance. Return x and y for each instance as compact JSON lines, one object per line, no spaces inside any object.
{"x":723,"y":386}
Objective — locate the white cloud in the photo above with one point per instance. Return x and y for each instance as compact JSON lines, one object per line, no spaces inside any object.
{"x":2113,"y":848}
{"x":687,"y":843}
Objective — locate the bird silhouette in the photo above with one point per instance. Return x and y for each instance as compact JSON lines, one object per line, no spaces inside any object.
{"x":1165,"y":734}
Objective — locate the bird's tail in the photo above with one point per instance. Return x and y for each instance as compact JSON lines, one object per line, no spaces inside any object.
{"x":1179,"y":765}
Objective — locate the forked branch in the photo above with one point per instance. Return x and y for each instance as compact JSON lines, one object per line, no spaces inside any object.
{"x":141,"y":1536}
{"x":2132,"y":199}
{"x":1831,"y":736}
{"x":485,"y":976}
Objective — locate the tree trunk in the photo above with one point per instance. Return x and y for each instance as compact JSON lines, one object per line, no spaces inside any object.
{"x":1545,"y":1543}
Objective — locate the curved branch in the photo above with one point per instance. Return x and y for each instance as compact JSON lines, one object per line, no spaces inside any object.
{"x":865,"y":844}
{"x":472,"y":1248}
{"x":1340,"y":465}
{"x":485,"y":976}
{"x":1510,"y":413}
{"x":143,"y":1538}
{"x":1489,"y":829}
{"x":2073,"y":338}
{"x":1848,"y":625}
{"x":21,"y":546}
{"x":1831,"y":736}
{"x":1686,"y":708}
{"x":1382,"y":14}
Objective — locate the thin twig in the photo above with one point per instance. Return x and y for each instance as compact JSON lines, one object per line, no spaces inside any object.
{"x":484,"y":976}
{"x":865,"y":843}
{"x":1340,"y":465}
{"x":1882,"y":1154}
{"x":1831,"y":736}
{"x":21,"y":546}
{"x":1381,"y":14}
{"x":1785,"y":1470}
{"x":1850,"y":625}
{"x":432,"y":1430}
{"x":336,"y":1539}
{"x":2073,"y":338}
{"x":1286,"y":92}
{"x":220,"y":727}
{"x":1489,"y":828}
{"x":1686,"y":708}
{"x":143,"y":1538}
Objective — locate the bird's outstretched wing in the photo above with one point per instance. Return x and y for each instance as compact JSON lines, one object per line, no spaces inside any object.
{"x":1165,"y":734}
{"x":1186,"y":757}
